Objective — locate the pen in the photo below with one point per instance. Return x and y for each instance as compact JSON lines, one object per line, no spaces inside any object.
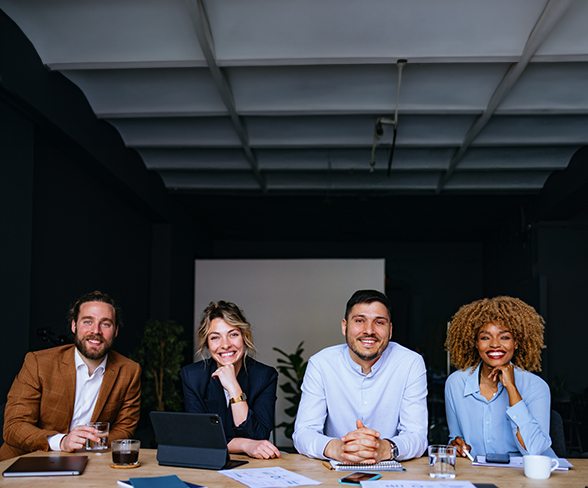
{"x":467,"y":453}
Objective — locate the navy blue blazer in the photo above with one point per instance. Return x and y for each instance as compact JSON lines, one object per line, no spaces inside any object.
{"x":205,"y":394}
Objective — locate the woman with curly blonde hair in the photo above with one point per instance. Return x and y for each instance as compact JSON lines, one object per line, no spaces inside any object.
{"x":494,"y":403}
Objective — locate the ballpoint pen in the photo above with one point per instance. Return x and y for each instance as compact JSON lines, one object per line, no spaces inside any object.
{"x":467,"y":453}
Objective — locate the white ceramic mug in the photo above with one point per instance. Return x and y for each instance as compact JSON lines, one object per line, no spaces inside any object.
{"x":539,"y":467}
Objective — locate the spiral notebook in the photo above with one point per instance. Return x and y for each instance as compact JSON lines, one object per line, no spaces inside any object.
{"x":381,"y":466}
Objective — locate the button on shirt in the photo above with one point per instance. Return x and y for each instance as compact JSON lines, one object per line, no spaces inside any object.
{"x":87,"y":390}
{"x":491,"y":425}
{"x":390,"y":399}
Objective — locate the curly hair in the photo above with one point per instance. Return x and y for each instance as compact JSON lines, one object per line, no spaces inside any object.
{"x":232,"y":315}
{"x":524,"y":323}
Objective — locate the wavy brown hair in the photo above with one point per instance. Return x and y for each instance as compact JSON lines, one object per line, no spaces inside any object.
{"x":522,"y":320}
{"x":233,"y":316}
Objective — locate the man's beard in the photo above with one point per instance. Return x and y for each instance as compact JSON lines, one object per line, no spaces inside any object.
{"x":89,"y":354}
{"x":351,"y":343}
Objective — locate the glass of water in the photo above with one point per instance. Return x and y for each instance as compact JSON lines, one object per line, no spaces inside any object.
{"x":442,"y":461}
{"x":103,"y":430}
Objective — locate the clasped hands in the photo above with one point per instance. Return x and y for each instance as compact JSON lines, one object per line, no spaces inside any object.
{"x":362,"y":445}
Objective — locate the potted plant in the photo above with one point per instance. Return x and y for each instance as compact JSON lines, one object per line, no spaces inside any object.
{"x":160,"y":353}
{"x":292,"y":367}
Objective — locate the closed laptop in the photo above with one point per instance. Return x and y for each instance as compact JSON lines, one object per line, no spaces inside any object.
{"x":62,"y":465}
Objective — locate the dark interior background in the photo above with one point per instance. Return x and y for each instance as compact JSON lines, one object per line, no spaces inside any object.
{"x":81,"y":212}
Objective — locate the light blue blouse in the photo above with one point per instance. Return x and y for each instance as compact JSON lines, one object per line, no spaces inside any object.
{"x":491,"y":426}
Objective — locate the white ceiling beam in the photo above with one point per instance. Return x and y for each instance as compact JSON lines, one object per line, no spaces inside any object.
{"x":551,"y":15}
{"x":204,"y":34}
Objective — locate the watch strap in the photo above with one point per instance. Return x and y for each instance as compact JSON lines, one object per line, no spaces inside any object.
{"x":393,"y":450}
{"x":241,"y":398}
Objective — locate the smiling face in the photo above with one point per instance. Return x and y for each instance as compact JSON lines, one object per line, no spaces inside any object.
{"x":495,"y":344}
{"x":225,"y":343}
{"x":95,"y":330}
{"x":367,"y":330}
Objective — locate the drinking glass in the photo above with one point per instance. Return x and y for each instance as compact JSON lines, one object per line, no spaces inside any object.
{"x":103,"y":430}
{"x":442,"y":461}
{"x":125,"y":452}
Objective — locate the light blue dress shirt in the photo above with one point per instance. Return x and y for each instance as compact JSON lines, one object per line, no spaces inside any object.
{"x":491,"y":426}
{"x":391,"y":399}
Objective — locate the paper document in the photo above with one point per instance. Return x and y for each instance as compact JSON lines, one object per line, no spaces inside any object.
{"x":517,"y":462}
{"x":268,"y":477}
{"x":416,"y":484}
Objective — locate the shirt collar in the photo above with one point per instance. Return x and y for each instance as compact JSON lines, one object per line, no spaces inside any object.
{"x":377,"y":365}
{"x":80,"y":362}
{"x":472,"y":384}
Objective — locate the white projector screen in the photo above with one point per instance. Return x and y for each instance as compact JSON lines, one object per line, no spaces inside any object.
{"x":287,"y":301}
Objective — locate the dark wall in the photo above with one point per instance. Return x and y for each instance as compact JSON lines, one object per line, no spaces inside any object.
{"x":67,"y":230}
{"x":563,"y":260}
{"x":85,"y":237}
{"x":16,"y":228}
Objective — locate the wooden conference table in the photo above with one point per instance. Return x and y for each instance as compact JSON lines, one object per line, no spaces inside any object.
{"x":98,"y":473}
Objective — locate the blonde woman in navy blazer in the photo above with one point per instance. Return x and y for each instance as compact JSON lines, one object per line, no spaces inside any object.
{"x":232,"y":384}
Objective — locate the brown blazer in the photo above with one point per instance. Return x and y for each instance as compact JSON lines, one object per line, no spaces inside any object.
{"x":41,"y":400}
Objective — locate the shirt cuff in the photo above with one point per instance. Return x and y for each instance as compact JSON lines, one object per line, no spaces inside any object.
{"x":55,"y":441}
{"x":519,"y":413}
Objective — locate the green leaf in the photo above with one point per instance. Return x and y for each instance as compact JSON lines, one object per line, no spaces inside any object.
{"x":291,"y":411}
{"x":292,"y":370}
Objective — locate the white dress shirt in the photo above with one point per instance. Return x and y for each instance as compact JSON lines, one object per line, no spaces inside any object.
{"x":87,"y":390}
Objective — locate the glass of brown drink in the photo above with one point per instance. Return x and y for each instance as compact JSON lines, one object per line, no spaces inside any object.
{"x":125,"y":452}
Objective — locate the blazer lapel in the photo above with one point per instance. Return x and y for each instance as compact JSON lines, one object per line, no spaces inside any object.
{"x":68,"y":373}
{"x":108,"y":380}
{"x":243,"y":379}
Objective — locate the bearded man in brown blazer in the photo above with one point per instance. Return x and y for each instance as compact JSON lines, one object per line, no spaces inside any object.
{"x":59,"y":390}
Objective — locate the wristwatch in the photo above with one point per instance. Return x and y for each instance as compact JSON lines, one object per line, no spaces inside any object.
{"x":393,"y":450}
{"x":241,"y":398}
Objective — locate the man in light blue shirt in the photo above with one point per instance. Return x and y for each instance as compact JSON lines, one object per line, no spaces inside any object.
{"x":364,"y":401}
